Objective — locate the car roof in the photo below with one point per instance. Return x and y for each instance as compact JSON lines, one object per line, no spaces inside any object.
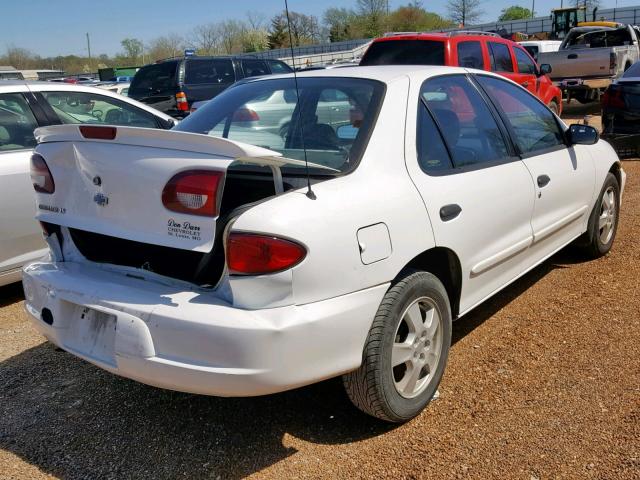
{"x":382,"y":73}
{"x":460,"y":35}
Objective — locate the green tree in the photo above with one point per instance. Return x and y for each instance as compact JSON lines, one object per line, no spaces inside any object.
{"x":339,"y":24}
{"x":372,"y":16}
{"x":514,"y":12}
{"x":304,"y":30}
{"x":412,"y":18}
{"x":278,"y":36}
{"x":132,"y":48}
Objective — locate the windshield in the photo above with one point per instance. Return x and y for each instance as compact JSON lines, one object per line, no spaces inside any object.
{"x":332,"y":118}
{"x":405,"y":52}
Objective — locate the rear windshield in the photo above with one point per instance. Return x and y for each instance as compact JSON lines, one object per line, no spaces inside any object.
{"x":332,"y":119}
{"x":156,"y":79}
{"x":598,"y":38}
{"x":405,"y":52}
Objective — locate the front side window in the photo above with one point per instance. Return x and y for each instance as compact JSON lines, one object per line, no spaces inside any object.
{"x":17,"y":123}
{"x":254,"y":68}
{"x":82,"y":107}
{"x":533,"y":125}
{"x":525,"y":64}
{"x":470,"y":55}
{"x":500,"y":57}
{"x":331,"y":118}
{"x":467,"y":125}
{"x":278,"y":66}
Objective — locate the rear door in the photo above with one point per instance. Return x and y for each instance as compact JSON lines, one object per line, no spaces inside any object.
{"x":157,"y":85}
{"x":527,"y":70}
{"x":479,"y":196}
{"x":205,"y":78}
{"x":20,"y":235}
{"x":563,"y":176}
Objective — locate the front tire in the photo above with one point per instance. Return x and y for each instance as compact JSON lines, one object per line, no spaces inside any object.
{"x":603,"y":222}
{"x":406,"y":350}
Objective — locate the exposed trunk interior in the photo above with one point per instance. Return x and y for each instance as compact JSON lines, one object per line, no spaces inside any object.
{"x":244,"y":187}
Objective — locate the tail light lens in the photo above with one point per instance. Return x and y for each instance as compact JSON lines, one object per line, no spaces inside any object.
{"x":613,"y":63}
{"x":253,"y":254}
{"x":181,"y":102}
{"x":612,"y":98}
{"x":245,"y":115}
{"x":41,"y":176}
{"x":194,"y":192}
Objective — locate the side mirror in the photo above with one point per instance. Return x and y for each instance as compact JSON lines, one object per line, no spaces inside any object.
{"x":582,"y":135}
{"x":545,"y":69}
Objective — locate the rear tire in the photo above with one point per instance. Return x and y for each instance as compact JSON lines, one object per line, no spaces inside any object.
{"x":412,"y":329}
{"x":603,"y":221}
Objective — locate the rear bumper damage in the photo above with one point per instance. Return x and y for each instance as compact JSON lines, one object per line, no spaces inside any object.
{"x":193,"y":341}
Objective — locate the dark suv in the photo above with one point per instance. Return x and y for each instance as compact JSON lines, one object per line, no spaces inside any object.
{"x":171,"y":86}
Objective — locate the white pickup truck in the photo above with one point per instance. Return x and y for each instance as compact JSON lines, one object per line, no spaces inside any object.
{"x":590,"y":58}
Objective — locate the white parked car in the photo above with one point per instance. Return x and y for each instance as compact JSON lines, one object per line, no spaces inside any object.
{"x":121,"y":88}
{"x":210,"y":267}
{"x":24,"y":107}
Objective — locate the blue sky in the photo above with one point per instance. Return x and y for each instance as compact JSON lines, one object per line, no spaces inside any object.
{"x":58,"y":27}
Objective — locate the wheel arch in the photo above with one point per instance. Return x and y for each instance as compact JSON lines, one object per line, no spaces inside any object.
{"x":444,"y":264}
{"x":615,"y":169}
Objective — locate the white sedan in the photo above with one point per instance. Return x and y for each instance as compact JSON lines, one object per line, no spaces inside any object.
{"x":24,"y":107}
{"x":213,"y":267}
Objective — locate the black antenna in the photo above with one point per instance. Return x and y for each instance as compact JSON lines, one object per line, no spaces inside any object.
{"x":310,"y":193}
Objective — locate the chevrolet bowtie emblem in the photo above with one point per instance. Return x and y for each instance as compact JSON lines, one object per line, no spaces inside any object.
{"x":101,"y":199}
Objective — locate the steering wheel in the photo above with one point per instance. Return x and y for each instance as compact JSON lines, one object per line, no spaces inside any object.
{"x":97,"y":114}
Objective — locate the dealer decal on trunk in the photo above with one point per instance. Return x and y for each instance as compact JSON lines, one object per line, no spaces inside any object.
{"x":185,"y":230}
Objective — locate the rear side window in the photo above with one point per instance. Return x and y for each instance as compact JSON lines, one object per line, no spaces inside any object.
{"x":156,"y":79}
{"x":525,"y":64}
{"x":254,"y":68}
{"x":207,"y":71}
{"x":500,"y":57}
{"x":470,"y":55}
{"x":278,"y":66}
{"x":16,"y":123}
{"x":405,"y":52}
{"x":467,"y":125}
{"x":533,"y":125}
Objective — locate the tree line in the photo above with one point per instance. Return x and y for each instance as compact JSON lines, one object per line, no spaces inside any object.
{"x":368,"y":18}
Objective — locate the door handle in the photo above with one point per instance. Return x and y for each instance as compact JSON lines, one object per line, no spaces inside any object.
{"x":525,"y":84}
{"x":543,"y":180}
{"x":449,"y":212}
{"x":572,"y":56}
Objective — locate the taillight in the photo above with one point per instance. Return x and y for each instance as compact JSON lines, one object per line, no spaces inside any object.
{"x":612,"y":97}
{"x":194,"y":192}
{"x":245,"y":115}
{"x":41,"y":176}
{"x":98,"y":133}
{"x":181,"y":101}
{"x":253,"y":254}
{"x":613,"y":63}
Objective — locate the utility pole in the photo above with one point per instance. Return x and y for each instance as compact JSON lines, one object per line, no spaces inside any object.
{"x":533,"y":8}
{"x":89,"y":47}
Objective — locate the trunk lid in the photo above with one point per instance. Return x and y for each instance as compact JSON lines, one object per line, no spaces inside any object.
{"x":114,"y":187}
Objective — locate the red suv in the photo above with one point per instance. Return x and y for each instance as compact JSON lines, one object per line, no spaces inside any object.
{"x":481,"y":50}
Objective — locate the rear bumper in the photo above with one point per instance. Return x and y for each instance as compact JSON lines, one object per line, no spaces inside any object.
{"x":192,"y":341}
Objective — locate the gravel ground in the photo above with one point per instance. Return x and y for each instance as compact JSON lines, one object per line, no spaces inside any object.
{"x":543,"y":382}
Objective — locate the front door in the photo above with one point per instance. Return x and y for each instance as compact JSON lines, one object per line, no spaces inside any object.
{"x":527,"y":70}
{"x":563,"y":176}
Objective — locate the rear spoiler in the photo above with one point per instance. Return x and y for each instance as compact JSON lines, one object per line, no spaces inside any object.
{"x":174,"y":140}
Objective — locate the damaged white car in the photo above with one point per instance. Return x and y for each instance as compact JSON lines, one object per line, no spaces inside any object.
{"x":200,"y":260}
